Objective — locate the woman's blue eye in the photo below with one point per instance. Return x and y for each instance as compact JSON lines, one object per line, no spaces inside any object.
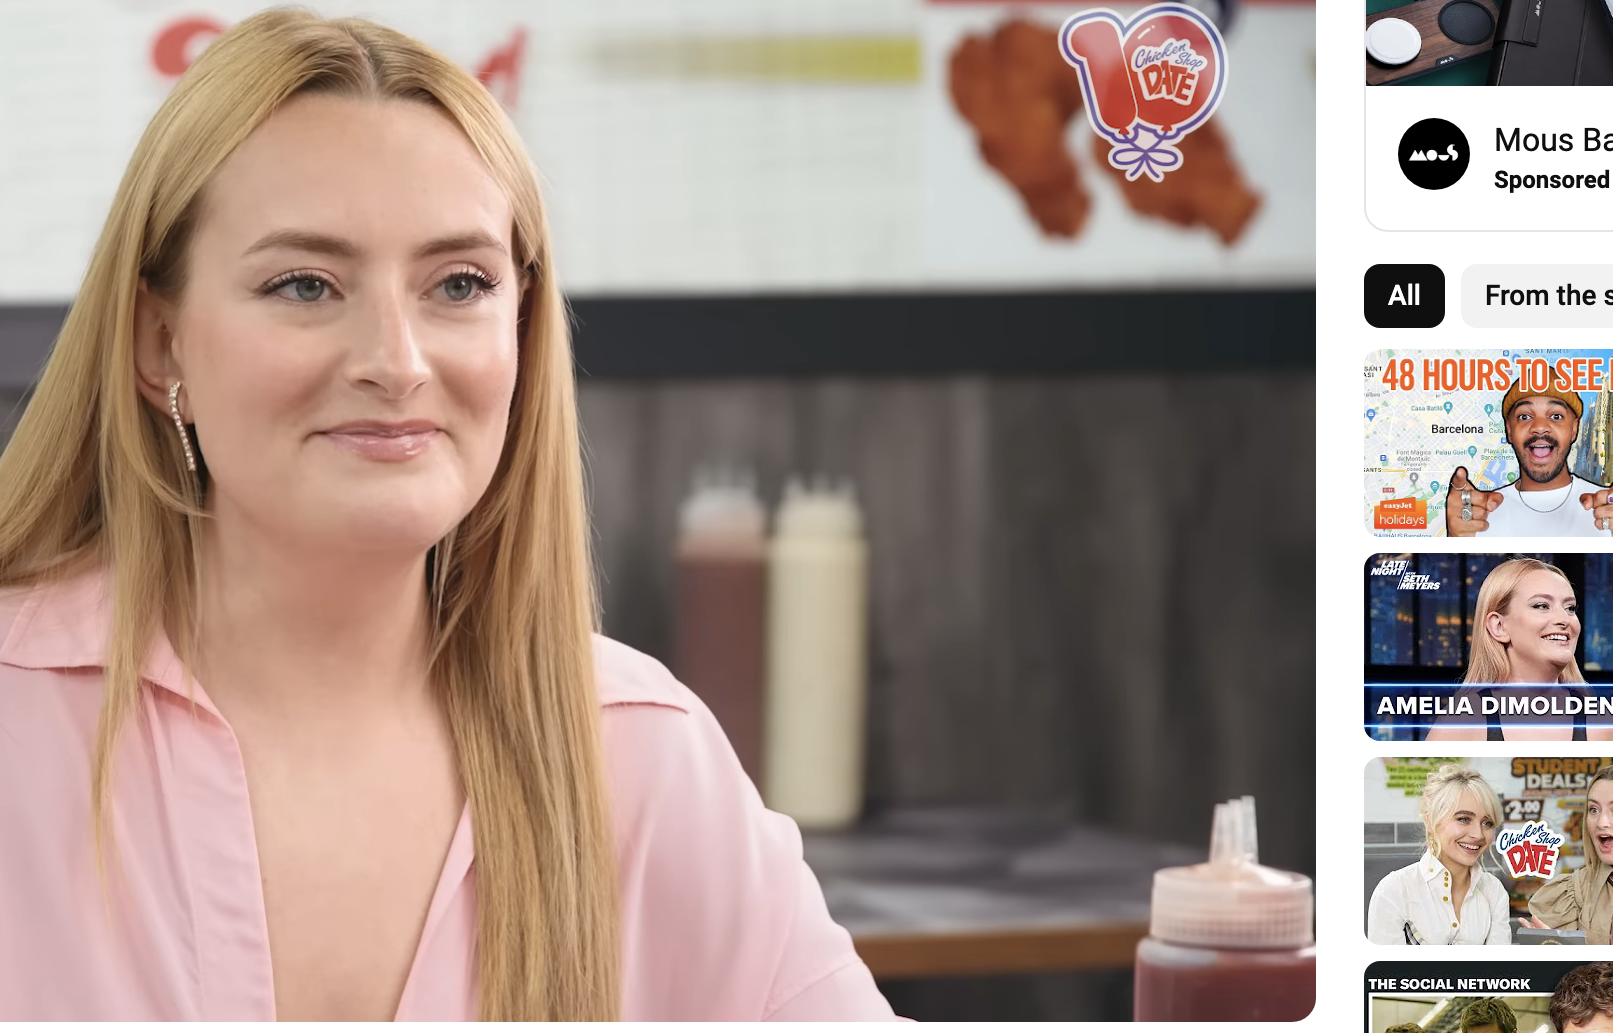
{"x":467,"y":286}
{"x":303,"y":288}
{"x":460,"y":288}
{"x":308,"y":289}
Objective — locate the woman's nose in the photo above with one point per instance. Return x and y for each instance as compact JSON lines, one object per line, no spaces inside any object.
{"x":387,"y":350}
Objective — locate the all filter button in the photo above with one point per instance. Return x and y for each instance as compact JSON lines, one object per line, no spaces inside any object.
{"x":1399,"y":297}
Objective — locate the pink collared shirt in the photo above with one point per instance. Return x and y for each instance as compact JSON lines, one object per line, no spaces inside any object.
{"x":721,"y":918}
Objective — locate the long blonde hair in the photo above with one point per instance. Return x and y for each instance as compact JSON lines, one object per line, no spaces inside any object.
{"x":1443,"y":792}
{"x":93,"y":475}
{"x":1586,"y":835}
{"x":1487,"y":663}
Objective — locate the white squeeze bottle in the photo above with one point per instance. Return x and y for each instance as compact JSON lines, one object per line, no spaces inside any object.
{"x":816,"y":657}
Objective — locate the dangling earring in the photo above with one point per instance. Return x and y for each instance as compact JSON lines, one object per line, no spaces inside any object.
{"x":184,"y":438}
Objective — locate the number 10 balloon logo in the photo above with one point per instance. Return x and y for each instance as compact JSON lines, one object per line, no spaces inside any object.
{"x":1148,"y":81}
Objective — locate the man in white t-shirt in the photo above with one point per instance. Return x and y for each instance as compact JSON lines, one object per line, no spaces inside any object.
{"x":1547,"y":499}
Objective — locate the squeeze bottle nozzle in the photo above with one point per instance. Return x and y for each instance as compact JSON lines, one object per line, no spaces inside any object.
{"x":1232,"y":900}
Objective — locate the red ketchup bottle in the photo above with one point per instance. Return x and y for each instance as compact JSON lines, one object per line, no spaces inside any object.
{"x":719,"y":642}
{"x":1230,"y":940}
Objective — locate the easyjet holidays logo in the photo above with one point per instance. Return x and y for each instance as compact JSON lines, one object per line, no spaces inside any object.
{"x":1147,"y":81}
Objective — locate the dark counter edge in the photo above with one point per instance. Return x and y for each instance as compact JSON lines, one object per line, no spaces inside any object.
{"x":917,"y":334}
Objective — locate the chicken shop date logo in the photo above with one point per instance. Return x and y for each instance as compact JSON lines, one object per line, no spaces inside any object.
{"x":1531,"y":852}
{"x":1147,"y":81}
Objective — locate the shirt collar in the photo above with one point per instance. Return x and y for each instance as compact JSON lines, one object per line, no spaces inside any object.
{"x":1432,"y":870}
{"x":68,"y":624}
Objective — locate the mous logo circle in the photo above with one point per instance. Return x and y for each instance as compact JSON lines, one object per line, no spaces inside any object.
{"x":1434,"y":154}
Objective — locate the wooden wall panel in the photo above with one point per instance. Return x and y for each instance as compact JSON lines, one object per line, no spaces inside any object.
{"x":1093,"y":594}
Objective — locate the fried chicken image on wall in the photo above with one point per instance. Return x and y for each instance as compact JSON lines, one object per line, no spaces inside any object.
{"x":1019,"y":95}
{"x":1206,"y":191}
{"x":1573,"y":825}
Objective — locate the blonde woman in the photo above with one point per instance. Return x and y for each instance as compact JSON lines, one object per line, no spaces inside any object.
{"x":1446,"y":896}
{"x":1525,"y":629}
{"x":302,"y":715}
{"x":1583,"y":899}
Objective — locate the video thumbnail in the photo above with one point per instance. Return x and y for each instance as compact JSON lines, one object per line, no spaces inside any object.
{"x":1489,"y":647}
{"x":1490,"y":997}
{"x":1489,"y":444}
{"x":1489,"y":43}
{"x":1488,"y":850}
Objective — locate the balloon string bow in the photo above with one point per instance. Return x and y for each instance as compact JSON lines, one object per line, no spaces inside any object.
{"x":1145,"y":153}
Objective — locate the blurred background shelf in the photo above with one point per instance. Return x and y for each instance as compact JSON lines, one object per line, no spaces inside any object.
{"x":987,"y":953}
{"x":882,"y":335}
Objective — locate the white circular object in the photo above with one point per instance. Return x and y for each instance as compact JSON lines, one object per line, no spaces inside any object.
{"x":1393,"y":41}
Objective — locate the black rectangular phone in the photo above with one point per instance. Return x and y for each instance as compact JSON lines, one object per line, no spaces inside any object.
{"x":1553,"y":43}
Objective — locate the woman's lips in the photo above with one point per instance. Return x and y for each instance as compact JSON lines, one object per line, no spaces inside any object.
{"x":384,"y":448}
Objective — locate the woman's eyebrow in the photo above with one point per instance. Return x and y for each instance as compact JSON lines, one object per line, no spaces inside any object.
{"x":476,"y":240}
{"x":340,"y":247}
